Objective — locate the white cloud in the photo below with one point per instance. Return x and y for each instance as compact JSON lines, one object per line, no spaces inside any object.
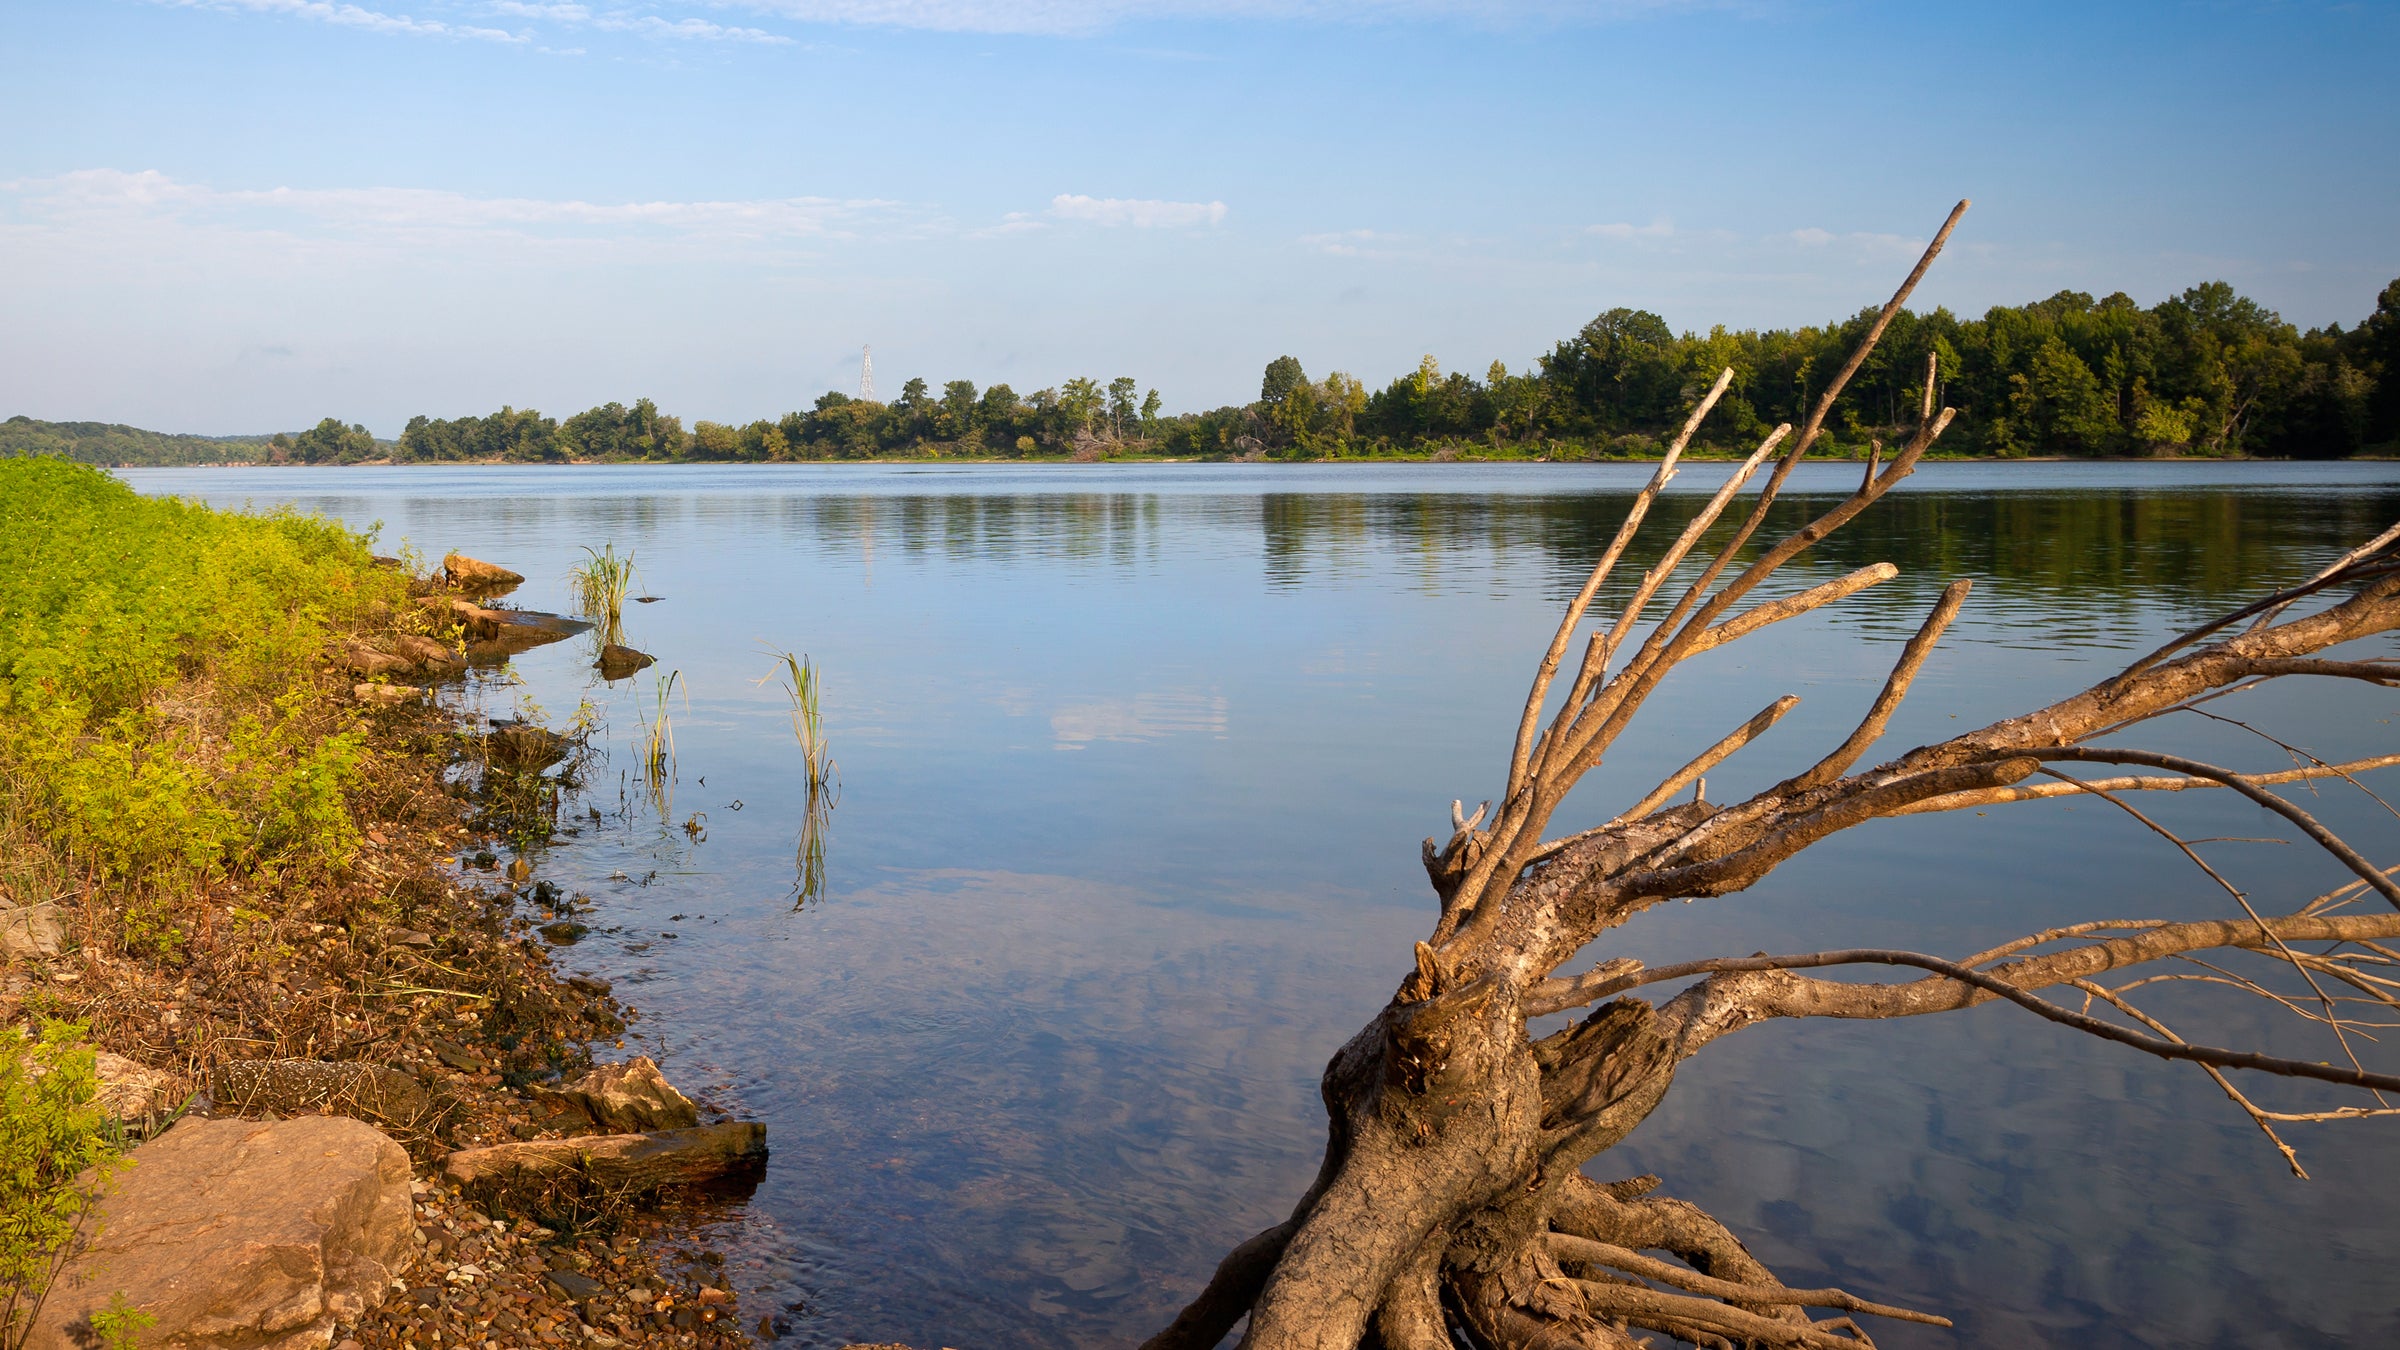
{"x":699,"y":30}
{"x":559,"y":13}
{"x":112,"y":203}
{"x":1866,"y":242}
{"x":1015,"y":222}
{"x":1141,"y":214}
{"x":355,"y":16}
{"x":1661,"y":228}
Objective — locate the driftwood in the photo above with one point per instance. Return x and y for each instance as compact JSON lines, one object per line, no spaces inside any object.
{"x":623,"y":1164}
{"x":1451,"y":1204}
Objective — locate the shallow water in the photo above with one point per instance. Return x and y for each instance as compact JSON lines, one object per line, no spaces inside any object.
{"x":1134,"y":762}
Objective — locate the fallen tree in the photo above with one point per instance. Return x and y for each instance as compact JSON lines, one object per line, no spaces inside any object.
{"x":1452,"y":1196}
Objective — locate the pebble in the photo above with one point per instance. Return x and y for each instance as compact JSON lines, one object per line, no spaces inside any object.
{"x":486,"y":1283}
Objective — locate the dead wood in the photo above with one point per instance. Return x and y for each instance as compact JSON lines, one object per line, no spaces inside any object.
{"x":1451,"y":1198}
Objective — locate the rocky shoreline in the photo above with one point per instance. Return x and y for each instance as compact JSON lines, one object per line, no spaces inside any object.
{"x":382,"y":1080}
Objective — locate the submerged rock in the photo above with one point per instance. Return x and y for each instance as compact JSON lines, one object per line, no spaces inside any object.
{"x":618,"y":661}
{"x":242,"y":1235}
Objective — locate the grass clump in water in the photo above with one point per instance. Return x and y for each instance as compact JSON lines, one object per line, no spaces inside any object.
{"x":799,"y":684}
{"x":601,"y":583}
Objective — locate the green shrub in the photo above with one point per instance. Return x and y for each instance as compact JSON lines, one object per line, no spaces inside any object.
{"x":161,"y":711}
{"x":57,"y":1152}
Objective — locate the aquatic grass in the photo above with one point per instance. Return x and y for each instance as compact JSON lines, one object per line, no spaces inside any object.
{"x":601,"y":583}
{"x":800,"y":685}
{"x":658,"y":742}
{"x":808,"y":857}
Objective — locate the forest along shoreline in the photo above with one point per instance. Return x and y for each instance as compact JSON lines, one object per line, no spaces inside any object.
{"x":284,"y":1059}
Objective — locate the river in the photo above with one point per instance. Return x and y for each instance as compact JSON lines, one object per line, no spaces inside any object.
{"x":1133,"y":765}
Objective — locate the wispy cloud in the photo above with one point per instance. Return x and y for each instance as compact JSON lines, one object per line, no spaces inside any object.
{"x":358,"y":16}
{"x":1661,"y":228}
{"x":98,"y":206}
{"x":690,"y":30}
{"x":1865,"y":241}
{"x":1138,"y":213}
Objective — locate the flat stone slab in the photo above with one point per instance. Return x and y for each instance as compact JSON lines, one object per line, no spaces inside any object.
{"x":242,"y":1235}
{"x":34,"y":930}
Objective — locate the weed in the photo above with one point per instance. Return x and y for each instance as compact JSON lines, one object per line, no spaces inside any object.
{"x":120,"y":1325}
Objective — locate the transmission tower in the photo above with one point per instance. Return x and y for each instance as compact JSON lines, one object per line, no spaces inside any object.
{"x":866,"y":373}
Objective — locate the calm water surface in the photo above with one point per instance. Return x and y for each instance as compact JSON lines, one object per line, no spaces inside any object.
{"x":1134,"y":763}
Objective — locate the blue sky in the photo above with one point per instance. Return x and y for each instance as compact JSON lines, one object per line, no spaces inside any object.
{"x":240,"y":215}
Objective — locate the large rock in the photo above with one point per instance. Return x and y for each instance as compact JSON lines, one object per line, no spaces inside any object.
{"x":475,"y":574}
{"x":32,"y":930}
{"x":623,"y":1098}
{"x":242,"y":1235}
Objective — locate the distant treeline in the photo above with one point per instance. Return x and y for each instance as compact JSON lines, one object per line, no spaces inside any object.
{"x":2208,"y":372}
{"x":109,"y":443}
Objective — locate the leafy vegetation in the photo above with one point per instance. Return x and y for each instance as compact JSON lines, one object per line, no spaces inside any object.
{"x":162,"y":717}
{"x":57,"y":1151}
{"x":2208,"y":372}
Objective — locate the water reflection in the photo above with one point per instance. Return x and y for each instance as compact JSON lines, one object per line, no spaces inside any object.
{"x":1041,"y":1040}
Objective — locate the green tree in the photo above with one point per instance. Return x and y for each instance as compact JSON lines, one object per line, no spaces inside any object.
{"x":2063,"y":403}
{"x":1283,"y":375}
{"x":2378,"y":343}
{"x":955,"y":421}
{"x":1121,"y":406}
{"x":330,"y":442}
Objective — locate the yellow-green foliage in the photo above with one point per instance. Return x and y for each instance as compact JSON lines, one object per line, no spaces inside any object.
{"x":56,"y":1150}
{"x":159,"y":705}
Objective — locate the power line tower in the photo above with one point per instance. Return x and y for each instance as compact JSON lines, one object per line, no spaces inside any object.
{"x":866,"y":373}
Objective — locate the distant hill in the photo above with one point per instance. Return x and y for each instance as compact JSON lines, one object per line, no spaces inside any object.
{"x":110,"y":444}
